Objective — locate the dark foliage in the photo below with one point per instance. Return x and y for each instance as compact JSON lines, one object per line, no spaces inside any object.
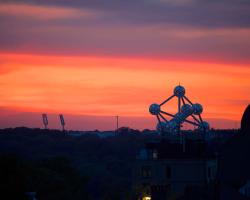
{"x":52,"y":178}
{"x":245,"y":121}
{"x":58,"y":166}
{"x":53,"y":164}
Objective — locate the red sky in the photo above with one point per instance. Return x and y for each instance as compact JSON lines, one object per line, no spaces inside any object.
{"x":91,"y":64}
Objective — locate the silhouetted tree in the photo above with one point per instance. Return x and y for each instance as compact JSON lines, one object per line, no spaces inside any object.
{"x":245,"y":121}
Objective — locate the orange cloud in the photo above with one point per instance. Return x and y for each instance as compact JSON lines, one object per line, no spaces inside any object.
{"x":105,"y":86}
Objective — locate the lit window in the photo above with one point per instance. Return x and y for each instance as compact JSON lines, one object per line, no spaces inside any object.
{"x":146,"y":198}
{"x":155,"y":154}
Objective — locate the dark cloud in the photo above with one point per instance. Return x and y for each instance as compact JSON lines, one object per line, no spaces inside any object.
{"x":189,"y":29}
{"x":204,"y":13}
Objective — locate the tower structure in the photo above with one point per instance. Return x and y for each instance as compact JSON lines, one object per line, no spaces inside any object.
{"x":45,"y":120}
{"x":185,"y":109}
{"x":62,"y":122}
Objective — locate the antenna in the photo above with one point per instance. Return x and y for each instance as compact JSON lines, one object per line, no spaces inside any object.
{"x":117,"y":122}
{"x":62,"y":121}
{"x":45,"y":120}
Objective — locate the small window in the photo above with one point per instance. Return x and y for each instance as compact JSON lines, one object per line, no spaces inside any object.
{"x":146,"y":172}
{"x":168,"y":172}
{"x":155,"y":154}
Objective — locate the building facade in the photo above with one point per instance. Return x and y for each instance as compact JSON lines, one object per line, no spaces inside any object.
{"x":163,"y":170}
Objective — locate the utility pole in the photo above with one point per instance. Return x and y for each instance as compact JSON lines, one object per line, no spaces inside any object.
{"x":117,"y":123}
{"x":62,"y":122}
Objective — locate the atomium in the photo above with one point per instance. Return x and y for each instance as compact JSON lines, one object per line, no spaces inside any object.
{"x":172,"y":123}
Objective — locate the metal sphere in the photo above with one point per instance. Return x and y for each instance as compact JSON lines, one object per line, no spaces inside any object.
{"x":187,"y":109}
{"x":161,"y":126}
{"x":204,"y":126}
{"x":179,"y":91}
{"x":171,"y":125}
{"x":178,"y":118}
{"x":154,"y":109}
{"x":197,"y":108}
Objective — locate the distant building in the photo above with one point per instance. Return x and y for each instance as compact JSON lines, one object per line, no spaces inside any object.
{"x":164,"y":170}
{"x":106,"y":134}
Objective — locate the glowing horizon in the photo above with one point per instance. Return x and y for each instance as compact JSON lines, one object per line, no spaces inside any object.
{"x":118,"y":86}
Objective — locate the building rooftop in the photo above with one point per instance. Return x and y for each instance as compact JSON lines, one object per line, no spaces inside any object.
{"x":193,"y":150}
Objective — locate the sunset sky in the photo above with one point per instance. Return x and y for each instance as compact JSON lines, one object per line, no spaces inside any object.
{"x":93,"y":59}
